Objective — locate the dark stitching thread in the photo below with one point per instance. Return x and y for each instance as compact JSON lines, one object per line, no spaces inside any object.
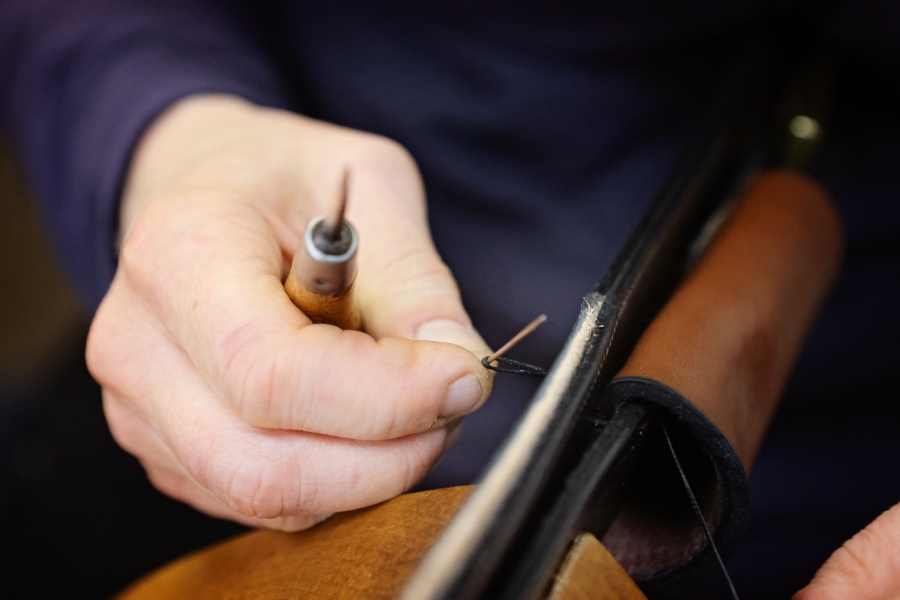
{"x":697,"y":511}
{"x":515,"y":367}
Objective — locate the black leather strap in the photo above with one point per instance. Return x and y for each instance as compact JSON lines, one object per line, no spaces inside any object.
{"x":721,"y":485}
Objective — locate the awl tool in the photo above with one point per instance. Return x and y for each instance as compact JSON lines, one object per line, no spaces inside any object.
{"x":323,"y":271}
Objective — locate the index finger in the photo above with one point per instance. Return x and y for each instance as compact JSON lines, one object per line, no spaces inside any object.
{"x":213,"y":271}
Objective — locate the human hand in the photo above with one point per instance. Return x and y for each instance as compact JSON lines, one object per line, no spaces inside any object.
{"x":228,"y":395}
{"x":867,"y":567}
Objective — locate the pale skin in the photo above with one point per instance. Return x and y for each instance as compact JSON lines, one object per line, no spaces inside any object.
{"x":866,"y":567}
{"x":233,"y":401}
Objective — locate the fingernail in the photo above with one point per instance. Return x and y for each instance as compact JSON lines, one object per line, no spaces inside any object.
{"x":451,"y":332}
{"x":463,"y":396}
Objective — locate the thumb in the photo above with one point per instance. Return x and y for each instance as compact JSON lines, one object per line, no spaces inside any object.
{"x":403,"y":287}
{"x":408,"y":291}
{"x":867,"y":567}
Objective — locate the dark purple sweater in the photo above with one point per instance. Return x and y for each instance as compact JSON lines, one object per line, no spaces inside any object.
{"x":81,"y":79}
{"x":542,"y":134}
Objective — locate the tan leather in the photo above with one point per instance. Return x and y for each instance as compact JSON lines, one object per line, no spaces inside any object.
{"x":365,"y":553}
{"x":729,"y":337}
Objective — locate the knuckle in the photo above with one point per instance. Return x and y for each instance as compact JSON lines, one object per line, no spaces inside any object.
{"x":266,"y":488}
{"x":119,"y":427}
{"x":108,"y":354}
{"x":386,"y":153}
{"x":137,"y":249}
{"x":153,"y":253}
{"x":124,"y":436}
{"x":162,"y":481}
{"x":133,"y":250}
{"x":95,"y":351}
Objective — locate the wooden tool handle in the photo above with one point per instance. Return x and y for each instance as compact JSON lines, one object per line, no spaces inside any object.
{"x":339,"y":310}
{"x":729,"y":337}
{"x":323,"y":271}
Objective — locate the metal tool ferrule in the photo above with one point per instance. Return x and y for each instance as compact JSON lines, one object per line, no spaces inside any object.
{"x":318,"y":269}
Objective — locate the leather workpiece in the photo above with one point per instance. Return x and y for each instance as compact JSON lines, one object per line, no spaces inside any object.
{"x":716,"y":359}
{"x":364,"y":553}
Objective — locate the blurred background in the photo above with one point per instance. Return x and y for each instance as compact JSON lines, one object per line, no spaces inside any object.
{"x":78,"y":518}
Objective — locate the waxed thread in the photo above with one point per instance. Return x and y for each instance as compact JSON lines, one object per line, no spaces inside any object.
{"x":516,"y":367}
{"x":699,"y":513}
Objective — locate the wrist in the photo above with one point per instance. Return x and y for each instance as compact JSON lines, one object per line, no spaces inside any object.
{"x":175,"y":141}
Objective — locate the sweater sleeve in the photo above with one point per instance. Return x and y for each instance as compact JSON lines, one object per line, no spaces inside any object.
{"x":82,"y":79}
